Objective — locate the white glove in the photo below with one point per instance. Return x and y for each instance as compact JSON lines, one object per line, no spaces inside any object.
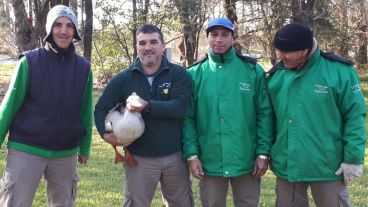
{"x":350,"y":171}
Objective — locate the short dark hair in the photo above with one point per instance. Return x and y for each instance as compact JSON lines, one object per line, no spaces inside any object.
{"x":150,"y":28}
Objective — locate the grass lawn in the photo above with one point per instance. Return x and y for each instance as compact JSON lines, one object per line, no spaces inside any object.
{"x":5,"y":74}
{"x":101,"y":181}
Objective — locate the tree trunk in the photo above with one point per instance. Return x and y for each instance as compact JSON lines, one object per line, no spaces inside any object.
{"x":362,"y":51}
{"x":65,"y":2}
{"x":81,"y":23}
{"x":40,"y":10}
{"x":268,"y":24}
{"x":189,"y":44}
{"x":54,"y":3}
{"x":192,"y":23}
{"x":57,"y":2}
{"x":88,"y":30}
{"x":362,"y":56}
{"x":30,"y":12}
{"x":344,"y":37}
{"x":134,"y":29}
{"x":302,"y":11}
{"x":23,"y":27}
{"x":3,"y":20}
{"x":145,"y":11}
{"x":74,"y":5}
{"x":230,"y":13}
{"x":361,"y":59}
{"x":7,"y":13}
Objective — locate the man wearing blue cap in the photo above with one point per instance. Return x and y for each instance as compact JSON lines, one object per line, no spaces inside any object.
{"x":228,"y":127}
{"x":320,"y":113}
{"x":48,"y":114}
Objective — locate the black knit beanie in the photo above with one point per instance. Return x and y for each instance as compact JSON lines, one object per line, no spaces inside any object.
{"x":293,"y":37}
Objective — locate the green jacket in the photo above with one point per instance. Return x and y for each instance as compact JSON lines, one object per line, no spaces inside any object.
{"x":320,"y":113}
{"x":229,"y":121}
{"x":13,"y":100}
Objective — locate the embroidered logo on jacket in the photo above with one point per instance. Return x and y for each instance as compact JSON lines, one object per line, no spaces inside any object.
{"x":318,"y":88}
{"x":244,"y":86}
{"x":355,"y":88}
{"x":164,"y":88}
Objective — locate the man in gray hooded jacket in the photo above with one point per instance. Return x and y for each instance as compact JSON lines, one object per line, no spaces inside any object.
{"x":48,"y":114}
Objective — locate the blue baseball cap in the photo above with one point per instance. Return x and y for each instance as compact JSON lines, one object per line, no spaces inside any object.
{"x":222,"y":22}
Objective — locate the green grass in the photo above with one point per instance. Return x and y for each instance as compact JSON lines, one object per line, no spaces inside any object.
{"x":5,"y":75}
{"x":6,"y":71}
{"x":364,"y":84}
{"x":101,"y":181}
{"x":6,"y":68}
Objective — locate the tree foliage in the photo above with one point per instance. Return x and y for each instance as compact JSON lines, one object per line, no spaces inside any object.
{"x":30,"y":23}
{"x":192,"y":18}
{"x":115,"y":39}
{"x":340,"y":26}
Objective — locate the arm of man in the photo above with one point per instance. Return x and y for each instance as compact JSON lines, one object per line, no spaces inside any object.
{"x":264,"y":119}
{"x":190,"y":140}
{"x":111,"y":96}
{"x":352,"y":107}
{"x":87,"y":120}
{"x":179,"y":98}
{"x":14,"y":97}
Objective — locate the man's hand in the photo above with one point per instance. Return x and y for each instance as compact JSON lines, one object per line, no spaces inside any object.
{"x":82,"y":160}
{"x":111,"y":138}
{"x":349,"y":171}
{"x":195,"y":168}
{"x":260,"y":167}
{"x":135,"y":103}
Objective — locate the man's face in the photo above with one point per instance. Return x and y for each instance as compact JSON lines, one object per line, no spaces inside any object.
{"x":150,"y":49}
{"x":293,"y":59}
{"x":63,"y":32}
{"x":220,"y":40}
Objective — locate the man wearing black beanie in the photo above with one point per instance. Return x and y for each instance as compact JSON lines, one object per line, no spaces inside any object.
{"x":320,"y":127}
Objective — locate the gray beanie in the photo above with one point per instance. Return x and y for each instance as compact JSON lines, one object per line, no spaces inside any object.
{"x":61,"y":11}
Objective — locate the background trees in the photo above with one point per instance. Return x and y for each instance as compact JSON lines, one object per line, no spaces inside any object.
{"x":29,"y":19}
{"x":339,"y":25}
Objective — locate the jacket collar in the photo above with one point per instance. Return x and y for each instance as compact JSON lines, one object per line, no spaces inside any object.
{"x":53,"y":48}
{"x":312,"y":58}
{"x":224,"y":58}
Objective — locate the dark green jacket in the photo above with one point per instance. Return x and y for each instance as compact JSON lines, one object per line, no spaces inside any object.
{"x":169,"y":97}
